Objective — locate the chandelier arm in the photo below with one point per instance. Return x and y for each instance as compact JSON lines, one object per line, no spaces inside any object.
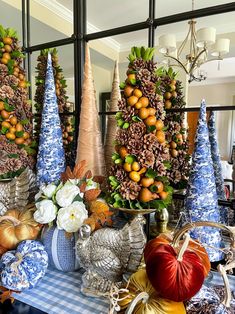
{"x":196,"y":59}
{"x":181,"y":64}
{"x":214,"y":59}
{"x":181,"y":47}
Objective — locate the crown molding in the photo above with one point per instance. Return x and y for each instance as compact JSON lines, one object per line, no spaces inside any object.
{"x":67,"y":15}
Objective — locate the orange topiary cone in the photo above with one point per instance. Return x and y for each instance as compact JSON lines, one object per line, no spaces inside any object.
{"x":90,"y":146}
{"x":111,"y":121}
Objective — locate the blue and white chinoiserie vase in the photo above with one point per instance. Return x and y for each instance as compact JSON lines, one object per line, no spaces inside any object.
{"x":60,"y":248}
{"x":201,"y":202}
{"x":219,"y":181}
{"x":22,"y":268}
{"x":51,"y":156}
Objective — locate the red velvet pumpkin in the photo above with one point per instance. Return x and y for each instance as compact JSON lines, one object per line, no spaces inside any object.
{"x":176,"y":274}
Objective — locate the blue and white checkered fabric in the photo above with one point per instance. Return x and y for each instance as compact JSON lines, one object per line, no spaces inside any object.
{"x":59,"y":293}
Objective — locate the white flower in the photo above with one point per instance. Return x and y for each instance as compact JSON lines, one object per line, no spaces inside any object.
{"x":65,"y":196}
{"x":38,"y":195}
{"x":49,"y":189}
{"x":46,"y":211}
{"x":91,"y":185}
{"x":71,"y":218}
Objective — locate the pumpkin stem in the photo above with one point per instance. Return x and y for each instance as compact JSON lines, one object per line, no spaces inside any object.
{"x":222,"y":270}
{"x":12,"y":219}
{"x":142,"y":296}
{"x":183,"y":247}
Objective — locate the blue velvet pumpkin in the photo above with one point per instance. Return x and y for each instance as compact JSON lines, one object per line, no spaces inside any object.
{"x":60,"y":249}
{"x":23,"y":268}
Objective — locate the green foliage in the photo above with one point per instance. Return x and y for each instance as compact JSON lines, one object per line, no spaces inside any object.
{"x":150,"y":173}
{"x":167,"y":164}
{"x":7,"y":106}
{"x":130,"y":159}
{"x":4,"y":130}
{"x":19,"y":134}
{"x":24,"y":121}
{"x":151,"y":128}
{"x":141,"y":53}
{"x":136,"y":119}
{"x":122,"y":85}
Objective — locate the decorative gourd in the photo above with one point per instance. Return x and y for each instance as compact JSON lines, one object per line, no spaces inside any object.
{"x":60,"y":248}
{"x":193,"y":246}
{"x":16,"y":226}
{"x":176,"y":274}
{"x":21,"y":269}
{"x":140,"y":285}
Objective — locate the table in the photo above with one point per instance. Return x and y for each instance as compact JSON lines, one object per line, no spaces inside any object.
{"x":59,"y":293}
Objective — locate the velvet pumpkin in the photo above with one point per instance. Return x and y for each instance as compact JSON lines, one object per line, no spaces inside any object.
{"x":139,"y":283}
{"x":176,"y":274}
{"x":16,"y":226}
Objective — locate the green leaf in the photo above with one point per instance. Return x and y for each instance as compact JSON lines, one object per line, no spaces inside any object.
{"x":142,"y":50}
{"x":8,"y":107}
{"x":30,"y":150}
{"x":19,"y":134}
{"x":24,"y":122}
{"x":77,"y":198}
{"x":164,"y":180}
{"x":118,"y":115}
{"x":153,"y":188}
{"x":13,"y":155}
{"x":115,"y":156}
{"x":2,"y":33}
{"x":151,"y":128}
{"x":118,"y":161}
{"x":130,"y":159}
{"x":138,"y":52}
{"x":16,"y":54}
{"x":122,"y":85}
{"x":120,"y":122}
{"x":126,"y":125}
{"x":4,"y":130}
{"x":132,"y":81}
{"x":136,"y":119}
{"x":150,"y":173}
{"x":167,"y":164}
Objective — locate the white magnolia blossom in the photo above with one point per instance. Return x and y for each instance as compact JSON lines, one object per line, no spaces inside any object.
{"x":91,"y":185}
{"x":65,"y":196}
{"x":71,"y":218}
{"x":38,"y":195}
{"x":49,"y":190}
{"x":46,"y":211}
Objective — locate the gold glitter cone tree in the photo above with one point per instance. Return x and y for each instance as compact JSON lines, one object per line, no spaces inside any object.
{"x":111,"y":121}
{"x":16,"y":146}
{"x":90,"y":146}
{"x":176,"y":133}
{"x":138,"y":175}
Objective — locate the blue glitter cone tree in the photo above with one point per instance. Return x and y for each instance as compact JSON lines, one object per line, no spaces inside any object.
{"x":219,"y":181}
{"x":201,"y":198}
{"x":51,"y":157}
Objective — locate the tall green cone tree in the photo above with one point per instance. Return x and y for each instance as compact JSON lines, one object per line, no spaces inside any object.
{"x":67,"y":121}
{"x":138,"y":177}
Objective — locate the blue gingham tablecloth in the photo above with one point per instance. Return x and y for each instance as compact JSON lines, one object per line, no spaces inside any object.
{"x":59,"y":293}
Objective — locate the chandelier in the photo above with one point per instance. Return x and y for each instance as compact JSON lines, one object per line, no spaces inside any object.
{"x":195,"y":49}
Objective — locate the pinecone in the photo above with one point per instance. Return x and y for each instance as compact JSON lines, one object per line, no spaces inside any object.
{"x":146,"y":158}
{"x":143,"y":74}
{"x":6,"y":92}
{"x":11,"y":80}
{"x":122,"y":136}
{"x":129,"y":190}
{"x":151,"y":66}
{"x":137,"y":129}
{"x":135,"y":145}
{"x":119,"y":173}
{"x":138,"y":64}
{"x":160,"y":168}
{"x":122,"y":105}
{"x":150,"y":142}
{"x":13,"y":164}
{"x":3,"y":70}
{"x":148,"y":89}
{"x":128,"y":113}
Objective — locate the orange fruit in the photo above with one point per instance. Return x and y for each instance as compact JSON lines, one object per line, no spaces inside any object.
{"x":70,"y":138}
{"x":26,"y":135}
{"x":174,"y":94}
{"x":19,"y":127}
{"x":4,"y":60}
{"x":160,"y":135}
{"x":172,"y":86}
{"x":163,"y":195}
{"x":179,"y":136}
{"x":16,"y":73}
{"x":144,"y":101}
{"x":1,"y":105}
{"x":152,"y":111}
{"x":127,"y":167}
{"x":167,"y":104}
{"x":128,"y":90}
{"x":159,"y":185}
{"x":16,"y":69}
{"x":134,"y":176}
{"x":173,"y":82}
{"x":138,"y":105}
{"x":12,"y":129}
{"x":143,"y":113}
{"x":146,"y":182}
{"x":145,"y":195}
{"x":131,"y":76}
{"x":6,"y":124}
{"x":167,"y":95}
{"x":19,"y":140}
{"x":7,"y":40}
{"x":5,"y":114}
{"x":159,"y":125}
{"x":7,"y":48}
{"x":173,"y":144}
{"x":6,"y":55}
{"x":13,"y":120}
{"x":10,"y":136}
{"x":21,"y":77}
{"x":137,"y":92}
{"x":123,"y":152}
{"x":132,"y":100}
{"x":151,"y":120}
{"x":22,"y":84}
{"x":65,"y":135}
{"x":135,"y":166}
{"x":174,"y":153}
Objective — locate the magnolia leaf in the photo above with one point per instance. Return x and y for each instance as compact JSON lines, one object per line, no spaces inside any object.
{"x":91,"y":195}
{"x":77,"y":198}
{"x":150,"y":173}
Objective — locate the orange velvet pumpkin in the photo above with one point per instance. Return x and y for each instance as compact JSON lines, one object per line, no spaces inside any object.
{"x":16,"y":226}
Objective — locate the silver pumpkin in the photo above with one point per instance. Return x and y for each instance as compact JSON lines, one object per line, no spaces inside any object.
{"x":107,"y":254}
{"x":17,"y":192}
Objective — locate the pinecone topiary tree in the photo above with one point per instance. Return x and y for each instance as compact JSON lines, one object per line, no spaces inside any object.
{"x":67,"y":121}
{"x":176,"y":133}
{"x":16,"y":145}
{"x":138,"y":176}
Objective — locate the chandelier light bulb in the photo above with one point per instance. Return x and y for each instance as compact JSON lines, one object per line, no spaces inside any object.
{"x":221,"y":47}
{"x":167,"y":43}
{"x":206,"y":37}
